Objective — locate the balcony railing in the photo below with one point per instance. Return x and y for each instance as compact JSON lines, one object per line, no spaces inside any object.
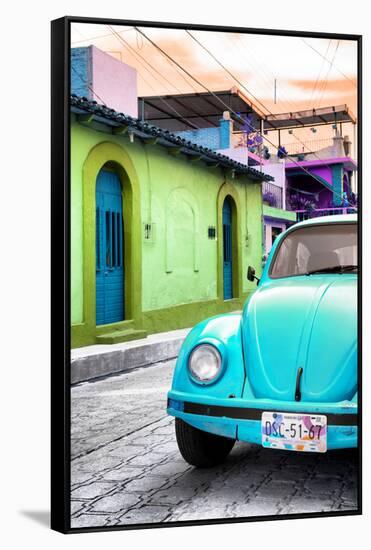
{"x":272,"y":194}
{"x":309,"y":146}
{"x":302,"y":215}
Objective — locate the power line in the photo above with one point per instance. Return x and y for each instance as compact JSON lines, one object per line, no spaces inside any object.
{"x":231,"y":74}
{"x":319,"y":74}
{"x":237,"y":80}
{"x":146,"y":81}
{"x":131,"y":49}
{"x":88,"y":85}
{"x":328,"y":61}
{"x":294,"y":135}
{"x":182,"y":75}
{"x":260,"y":67}
{"x":223,"y":103}
{"x":182,"y":68}
{"x":126,"y":43}
{"x":268,"y":77}
{"x":236,"y":44}
{"x":328,"y":74}
{"x":98,"y":37}
{"x":225,"y":68}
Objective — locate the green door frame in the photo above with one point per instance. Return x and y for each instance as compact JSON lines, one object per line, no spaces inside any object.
{"x":116,"y":158}
{"x":228,"y":190}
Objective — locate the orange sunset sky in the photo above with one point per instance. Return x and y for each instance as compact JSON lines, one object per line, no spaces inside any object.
{"x":309,"y":72}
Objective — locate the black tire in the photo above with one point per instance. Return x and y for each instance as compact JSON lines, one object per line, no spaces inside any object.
{"x":199,"y":448}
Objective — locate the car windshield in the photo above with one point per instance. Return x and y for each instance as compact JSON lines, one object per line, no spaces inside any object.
{"x":326,"y":248}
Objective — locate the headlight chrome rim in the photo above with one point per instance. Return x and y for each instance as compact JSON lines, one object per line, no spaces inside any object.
{"x":213,"y":350}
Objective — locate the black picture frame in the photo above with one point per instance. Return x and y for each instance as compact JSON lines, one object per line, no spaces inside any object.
{"x":60,"y":268}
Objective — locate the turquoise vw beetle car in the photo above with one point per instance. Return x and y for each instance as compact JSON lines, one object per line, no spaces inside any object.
{"x":283,"y":374}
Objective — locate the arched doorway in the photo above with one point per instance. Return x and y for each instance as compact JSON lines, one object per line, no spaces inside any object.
{"x":110,"y":271}
{"x":229,"y":266}
{"x":112,"y":158}
{"x":227,"y":250}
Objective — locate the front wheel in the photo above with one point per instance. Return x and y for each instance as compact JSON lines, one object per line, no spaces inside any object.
{"x":200,"y":448}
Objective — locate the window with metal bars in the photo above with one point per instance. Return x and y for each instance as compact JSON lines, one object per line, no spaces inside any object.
{"x":97,"y":239}
{"x":113,"y":241}
{"x":227,"y":243}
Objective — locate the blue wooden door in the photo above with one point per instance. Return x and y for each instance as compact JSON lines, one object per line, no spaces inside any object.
{"x":227,"y":250}
{"x":110,"y":282}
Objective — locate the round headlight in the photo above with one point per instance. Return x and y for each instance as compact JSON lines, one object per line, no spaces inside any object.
{"x":205,"y":363}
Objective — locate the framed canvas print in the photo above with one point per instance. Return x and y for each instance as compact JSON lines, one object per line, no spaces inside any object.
{"x":206,"y":212}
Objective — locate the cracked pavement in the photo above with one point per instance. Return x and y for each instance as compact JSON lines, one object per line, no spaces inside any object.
{"x":126,"y":467}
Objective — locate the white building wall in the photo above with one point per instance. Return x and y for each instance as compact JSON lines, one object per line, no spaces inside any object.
{"x":277,"y":170}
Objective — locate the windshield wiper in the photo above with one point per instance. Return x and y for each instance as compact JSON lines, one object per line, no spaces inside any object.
{"x":334,"y":269}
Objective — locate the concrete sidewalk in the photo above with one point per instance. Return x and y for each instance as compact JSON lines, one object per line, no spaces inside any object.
{"x":95,"y":361}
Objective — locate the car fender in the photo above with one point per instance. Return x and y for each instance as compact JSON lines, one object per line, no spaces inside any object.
{"x":223,"y":332}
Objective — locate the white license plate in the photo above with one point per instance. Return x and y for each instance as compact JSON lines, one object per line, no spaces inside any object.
{"x":294,"y":432}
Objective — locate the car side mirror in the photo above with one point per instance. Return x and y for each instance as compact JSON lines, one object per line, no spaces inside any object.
{"x":251,"y":274}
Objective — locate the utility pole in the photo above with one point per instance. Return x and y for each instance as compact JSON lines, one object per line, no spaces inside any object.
{"x":275,"y":91}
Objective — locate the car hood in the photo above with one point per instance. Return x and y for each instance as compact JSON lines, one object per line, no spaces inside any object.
{"x":308,"y":322}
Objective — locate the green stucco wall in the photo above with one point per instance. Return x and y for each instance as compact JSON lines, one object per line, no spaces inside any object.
{"x":179,"y":263}
{"x":78,"y":155}
{"x":278,"y":213}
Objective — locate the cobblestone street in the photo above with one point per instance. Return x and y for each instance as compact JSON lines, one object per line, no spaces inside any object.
{"x":126,"y":467}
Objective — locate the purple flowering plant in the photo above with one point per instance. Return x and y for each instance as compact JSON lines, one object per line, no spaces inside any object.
{"x":270,"y":198}
{"x":296,"y":201}
{"x":252,"y":136}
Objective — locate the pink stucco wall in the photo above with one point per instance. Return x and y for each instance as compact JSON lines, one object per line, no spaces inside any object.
{"x":114,"y":82}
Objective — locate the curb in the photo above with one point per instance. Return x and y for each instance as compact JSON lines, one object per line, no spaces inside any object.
{"x":102,"y":360}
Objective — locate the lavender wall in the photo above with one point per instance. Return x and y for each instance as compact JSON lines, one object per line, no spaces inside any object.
{"x":101,"y":77}
{"x":115,"y":82}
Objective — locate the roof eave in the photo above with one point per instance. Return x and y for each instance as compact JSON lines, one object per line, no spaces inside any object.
{"x":143,"y":130}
